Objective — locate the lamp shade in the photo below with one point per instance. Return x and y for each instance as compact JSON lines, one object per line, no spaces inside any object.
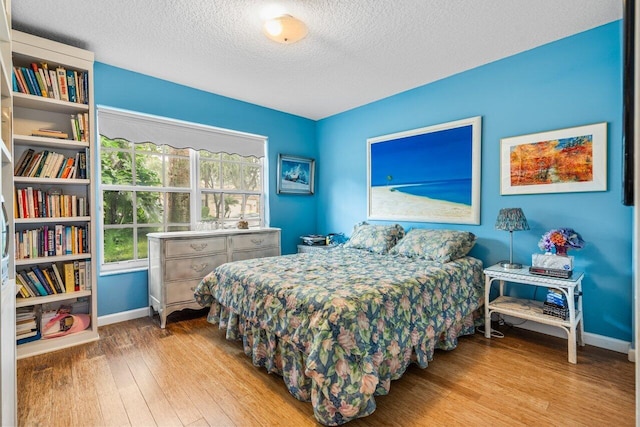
{"x":511,"y":219}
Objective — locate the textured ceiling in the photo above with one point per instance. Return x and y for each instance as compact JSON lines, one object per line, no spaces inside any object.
{"x":356,"y":52}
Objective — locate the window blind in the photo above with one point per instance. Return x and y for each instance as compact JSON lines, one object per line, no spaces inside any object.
{"x":140,"y":128}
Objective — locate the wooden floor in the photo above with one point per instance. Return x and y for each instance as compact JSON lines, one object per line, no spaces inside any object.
{"x":189,"y":375}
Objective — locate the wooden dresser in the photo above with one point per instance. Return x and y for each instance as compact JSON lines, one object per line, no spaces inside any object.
{"x":179,"y":260}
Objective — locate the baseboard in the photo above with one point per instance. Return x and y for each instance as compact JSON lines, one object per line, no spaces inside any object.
{"x":123,"y":316}
{"x":589,"y":338}
{"x":632,"y":355}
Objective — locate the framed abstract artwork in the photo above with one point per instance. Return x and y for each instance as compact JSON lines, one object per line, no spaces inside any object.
{"x":430,"y":174}
{"x":295,"y":175}
{"x":558,"y":161}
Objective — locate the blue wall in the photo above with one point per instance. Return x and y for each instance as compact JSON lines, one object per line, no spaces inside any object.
{"x":287,"y":134}
{"x":571,"y":82}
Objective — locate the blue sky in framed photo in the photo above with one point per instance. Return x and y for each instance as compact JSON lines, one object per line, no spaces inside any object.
{"x":437,"y":164}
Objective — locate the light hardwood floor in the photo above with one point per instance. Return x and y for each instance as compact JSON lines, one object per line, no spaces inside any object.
{"x":190,"y":375}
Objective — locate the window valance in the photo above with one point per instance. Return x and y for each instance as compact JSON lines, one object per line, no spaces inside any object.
{"x":140,"y":128}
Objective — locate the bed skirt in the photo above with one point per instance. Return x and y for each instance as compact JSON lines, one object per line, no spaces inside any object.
{"x":349,"y":394}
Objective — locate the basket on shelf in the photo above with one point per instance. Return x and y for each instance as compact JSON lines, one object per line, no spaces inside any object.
{"x":556,"y":311}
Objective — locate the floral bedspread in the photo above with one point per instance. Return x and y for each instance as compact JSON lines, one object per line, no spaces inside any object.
{"x":340,"y":324}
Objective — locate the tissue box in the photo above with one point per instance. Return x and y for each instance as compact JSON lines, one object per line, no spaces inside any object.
{"x":555,"y":262}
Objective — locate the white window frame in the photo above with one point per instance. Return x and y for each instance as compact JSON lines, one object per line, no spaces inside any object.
{"x":194,"y":189}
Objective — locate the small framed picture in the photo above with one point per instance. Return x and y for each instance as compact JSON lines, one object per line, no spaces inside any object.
{"x":295,"y":174}
{"x":558,"y":161}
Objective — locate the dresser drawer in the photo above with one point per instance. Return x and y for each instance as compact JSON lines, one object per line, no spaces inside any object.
{"x":186,"y":247}
{"x":181,"y":291}
{"x":254,"y":241}
{"x":192,"y":268}
{"x":261,"y":253}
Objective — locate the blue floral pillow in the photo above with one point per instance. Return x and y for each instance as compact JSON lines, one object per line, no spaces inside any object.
{"x":375,"y":238}
{"x":435,"y":245}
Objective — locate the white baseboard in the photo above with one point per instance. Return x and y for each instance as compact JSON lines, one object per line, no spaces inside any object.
{"x":123,"y":316}
{"x":632,"y":355}
{"x":589,"y":338}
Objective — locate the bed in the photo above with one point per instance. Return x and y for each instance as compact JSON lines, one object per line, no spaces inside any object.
{"x":339,"y":325}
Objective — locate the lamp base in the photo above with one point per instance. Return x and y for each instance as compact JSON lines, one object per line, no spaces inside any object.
{"x":509,"y":265}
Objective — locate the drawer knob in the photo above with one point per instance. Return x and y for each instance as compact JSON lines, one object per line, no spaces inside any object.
{"x":198,"y":246}
{"x":199,"y":267}
{"x":257,"y":242}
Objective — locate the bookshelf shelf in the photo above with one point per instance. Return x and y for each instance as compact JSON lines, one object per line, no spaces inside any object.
{"x":40,"y":141}
{"x":42,"y":346}
{"x":26,"y":302}
{"x":30,"y":114}
{"x":48,"y":220}
{"x":50,"y":181}
{"x":49,"y":104}
{"x":50,"y":259}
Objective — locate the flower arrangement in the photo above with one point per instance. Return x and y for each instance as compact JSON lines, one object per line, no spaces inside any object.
{"x":560,"y":240}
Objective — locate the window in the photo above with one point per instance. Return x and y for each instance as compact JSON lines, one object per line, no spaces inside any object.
{"x":153,"y":186}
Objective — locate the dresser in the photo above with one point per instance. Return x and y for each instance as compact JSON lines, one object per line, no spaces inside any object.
{"x":179,"y":260}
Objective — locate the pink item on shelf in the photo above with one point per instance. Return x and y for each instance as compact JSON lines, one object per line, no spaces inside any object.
{"x":67,"y":324}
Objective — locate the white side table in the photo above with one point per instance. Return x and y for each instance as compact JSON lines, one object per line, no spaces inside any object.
{"x":531,"y":309}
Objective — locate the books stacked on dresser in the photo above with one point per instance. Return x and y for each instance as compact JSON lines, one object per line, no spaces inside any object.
{"x":49,"y":164}
{"x":59,"y":83}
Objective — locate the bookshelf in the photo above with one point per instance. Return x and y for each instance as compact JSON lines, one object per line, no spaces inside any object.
{"x":48,"y":199}
{"x":8,"y":385}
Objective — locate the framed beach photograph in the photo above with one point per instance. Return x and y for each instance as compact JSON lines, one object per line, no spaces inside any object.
{"x":430,"y":174}
{"x":295,"y":175}
{"x":558,"y":161}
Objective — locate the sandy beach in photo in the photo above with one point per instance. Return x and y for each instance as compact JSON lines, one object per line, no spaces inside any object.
{"x":394,"y":204}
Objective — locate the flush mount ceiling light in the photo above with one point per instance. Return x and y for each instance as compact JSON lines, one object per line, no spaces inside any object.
{"x":285,"y":29}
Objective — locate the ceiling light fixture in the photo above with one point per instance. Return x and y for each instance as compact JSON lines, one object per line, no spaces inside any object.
{"x":285,"y":29}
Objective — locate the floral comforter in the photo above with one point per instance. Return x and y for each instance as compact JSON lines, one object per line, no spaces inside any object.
{"x":340,"y":324}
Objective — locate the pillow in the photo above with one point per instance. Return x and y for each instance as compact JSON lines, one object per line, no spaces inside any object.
{"x":375,"y":238}
{"x":435,"y":245}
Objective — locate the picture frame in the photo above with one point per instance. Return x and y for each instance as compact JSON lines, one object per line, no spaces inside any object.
{"x":429,"y":174}
{"x":558,"y":161}
{"x":296,"y":175}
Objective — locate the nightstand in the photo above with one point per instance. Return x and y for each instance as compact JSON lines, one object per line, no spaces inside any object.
{"x":314,"y":248}
{"x":533,"y":310}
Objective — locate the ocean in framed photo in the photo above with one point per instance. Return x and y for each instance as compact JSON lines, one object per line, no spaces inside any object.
{"x":427,"y":174}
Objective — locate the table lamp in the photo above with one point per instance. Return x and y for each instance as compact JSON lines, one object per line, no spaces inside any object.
{"x":511,"y":219}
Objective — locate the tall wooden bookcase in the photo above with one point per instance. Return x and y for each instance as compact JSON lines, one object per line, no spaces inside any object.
{"x":8,"y":400}
{"x":32,"y":112}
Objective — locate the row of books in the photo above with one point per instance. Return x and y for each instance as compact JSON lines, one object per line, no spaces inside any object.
{"x":35,"y":203}
{"x":62,"y":84}
{"x":53,"y":279}
{"x":55,"y":240}
{"x":27,"y":324}
{"x":49,"y":164}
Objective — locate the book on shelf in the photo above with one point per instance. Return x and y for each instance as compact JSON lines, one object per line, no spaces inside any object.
{"x":25,"y":158}
{"x":42,"y":86}
{"x":69,"y":277}
{"x":51,"y":133}
{"x":19,"y":78}
{"x":61,"y":74}
{"x":41,"y":280}
{"x":71,"y":85}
